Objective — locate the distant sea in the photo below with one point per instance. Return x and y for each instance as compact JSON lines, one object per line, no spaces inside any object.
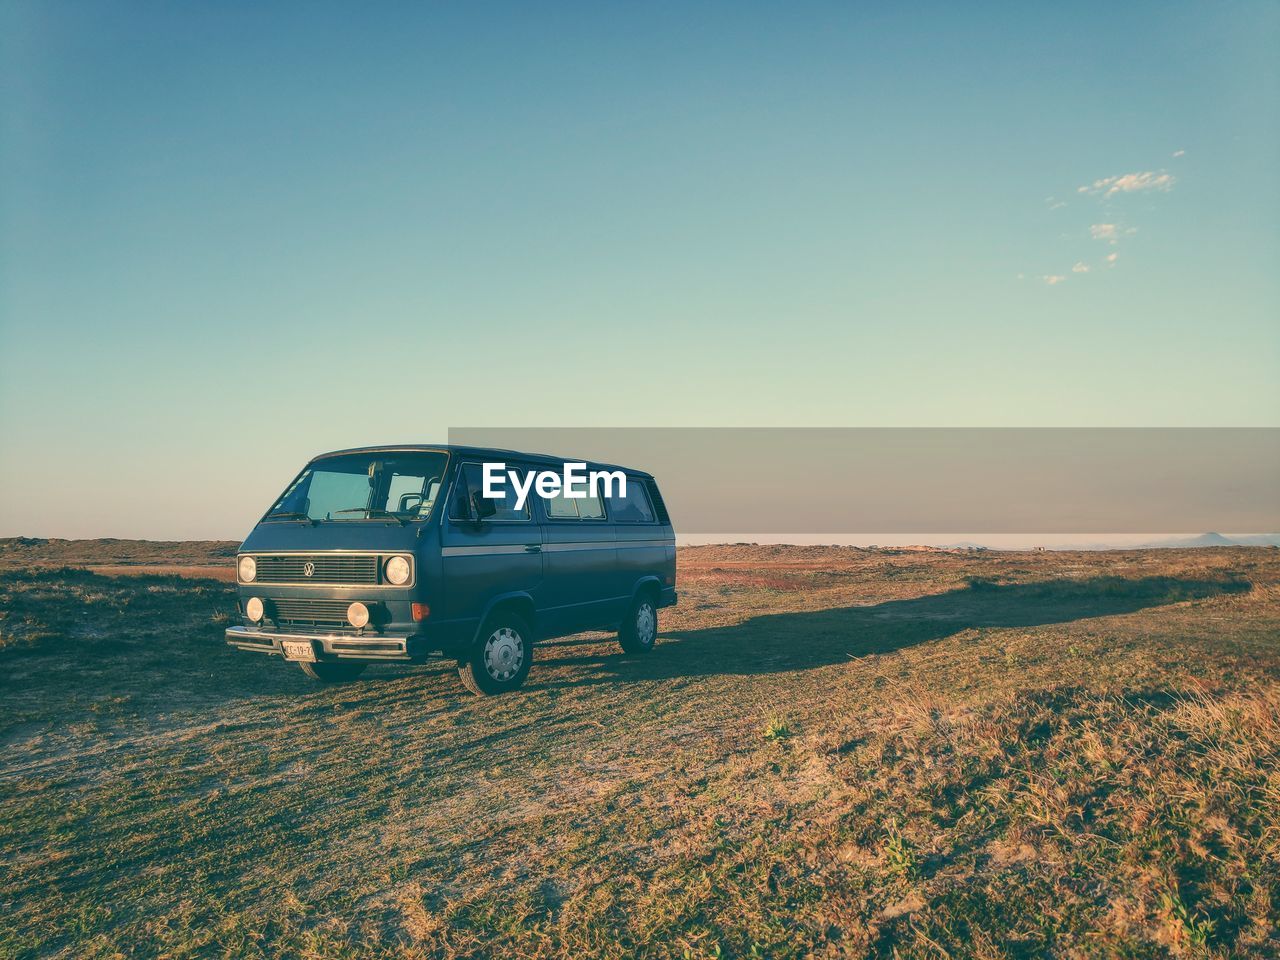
{"x":993,"y":541}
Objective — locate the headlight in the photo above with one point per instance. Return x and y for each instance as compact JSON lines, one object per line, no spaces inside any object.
{"x":247,"y":568}
{"x":357,"y":614}
{"x":253,"y":609}
{"x":397,"y":570}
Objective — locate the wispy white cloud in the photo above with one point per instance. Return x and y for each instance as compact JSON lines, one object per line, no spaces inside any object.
{"x":1131,"y":183}
{"x":1111,"y":232}
{"x":1098,"y":193}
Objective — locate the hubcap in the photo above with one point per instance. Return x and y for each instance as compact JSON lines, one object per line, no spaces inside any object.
{"x":646,"y":624}
{"x":503,"y":653}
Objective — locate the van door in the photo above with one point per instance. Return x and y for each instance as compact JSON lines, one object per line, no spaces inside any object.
{"x":485,"y":558}
{"x":581,"y":587}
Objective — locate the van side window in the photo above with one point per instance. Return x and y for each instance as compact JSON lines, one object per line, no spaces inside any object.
{"x":471,"y":481}
{"x":634,"y":507}
{"x":561,"y":507}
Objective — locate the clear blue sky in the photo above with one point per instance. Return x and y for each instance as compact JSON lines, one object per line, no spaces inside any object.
{"x":235,"y":235}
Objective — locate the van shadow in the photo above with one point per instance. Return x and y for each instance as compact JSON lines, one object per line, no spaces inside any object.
{"x":796,"y":641}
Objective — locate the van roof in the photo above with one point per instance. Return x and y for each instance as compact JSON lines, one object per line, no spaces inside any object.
{"x":483,"y":452}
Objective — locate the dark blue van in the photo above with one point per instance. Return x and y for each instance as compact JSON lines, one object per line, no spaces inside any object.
{"x":395,"y":554}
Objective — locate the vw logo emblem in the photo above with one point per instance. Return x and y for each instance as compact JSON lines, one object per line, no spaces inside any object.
{"x":308,"y":569}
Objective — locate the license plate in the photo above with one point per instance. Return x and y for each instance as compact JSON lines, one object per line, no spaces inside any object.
{"x":303,"y":650}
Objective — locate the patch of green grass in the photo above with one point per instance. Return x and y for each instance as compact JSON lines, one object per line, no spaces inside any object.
{"x":776,"y":728}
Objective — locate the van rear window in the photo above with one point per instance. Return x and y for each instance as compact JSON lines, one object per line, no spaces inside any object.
{"x":655,"y":495}
{"x":634,"y":507}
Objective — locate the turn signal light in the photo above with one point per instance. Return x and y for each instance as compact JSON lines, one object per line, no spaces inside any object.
{"x":421,"y":611}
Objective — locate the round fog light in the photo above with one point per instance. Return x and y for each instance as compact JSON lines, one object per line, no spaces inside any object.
{"x":253,"y":609}
{"x":358,"y":614}
{"x":247,"y":568}
{"x":397,"y":571}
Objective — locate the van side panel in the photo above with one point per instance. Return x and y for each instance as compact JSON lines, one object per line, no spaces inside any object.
{"x":646,"y":550}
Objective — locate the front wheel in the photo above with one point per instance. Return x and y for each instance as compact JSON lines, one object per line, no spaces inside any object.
{"x":330,"y":672}
{"x":500,"y":658}
{"x":639,"y":632}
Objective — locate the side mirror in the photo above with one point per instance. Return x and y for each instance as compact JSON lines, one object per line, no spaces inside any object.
{"x":483,"y":506}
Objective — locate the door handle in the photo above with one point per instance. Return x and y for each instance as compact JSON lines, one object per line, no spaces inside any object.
{"x":533,"y":548}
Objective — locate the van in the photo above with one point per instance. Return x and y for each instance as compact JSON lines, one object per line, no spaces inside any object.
{"x":396,"y":555}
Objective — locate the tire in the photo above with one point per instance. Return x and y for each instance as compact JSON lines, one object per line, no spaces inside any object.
{"x":639,"y":631}
{"x":500,"y":658}
{"x":333,"y":672}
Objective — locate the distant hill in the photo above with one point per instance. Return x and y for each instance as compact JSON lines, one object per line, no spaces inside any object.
{"x":41,"y":552}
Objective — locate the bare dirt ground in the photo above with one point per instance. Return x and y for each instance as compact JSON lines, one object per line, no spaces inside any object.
{"x":832,"y":751}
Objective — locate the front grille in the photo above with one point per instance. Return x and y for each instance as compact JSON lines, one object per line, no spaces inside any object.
{"x":325,"y":568}
{"x":309,"y":612}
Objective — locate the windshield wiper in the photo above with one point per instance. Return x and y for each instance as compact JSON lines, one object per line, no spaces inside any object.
{"x":372,"y":512}
{"x":291,"y":515}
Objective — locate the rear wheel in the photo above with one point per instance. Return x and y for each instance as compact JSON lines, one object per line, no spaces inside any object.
{"x":331,"y":672}
{"x":500,"y":658}
{"x":639,"y":631}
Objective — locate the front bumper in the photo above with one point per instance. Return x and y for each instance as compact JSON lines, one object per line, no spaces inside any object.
{"x":338,"y":646}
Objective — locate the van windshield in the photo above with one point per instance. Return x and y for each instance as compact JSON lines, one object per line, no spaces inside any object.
{"x":401,"y":486}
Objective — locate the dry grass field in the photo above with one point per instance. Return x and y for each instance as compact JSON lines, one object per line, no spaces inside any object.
{"x":41,"y":553}
{"x":832,"y":752}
